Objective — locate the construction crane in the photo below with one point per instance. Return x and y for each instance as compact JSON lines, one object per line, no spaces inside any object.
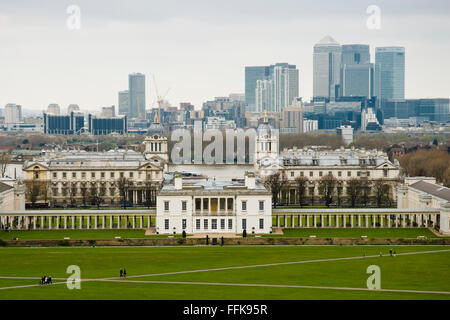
{"x":159,"y":99}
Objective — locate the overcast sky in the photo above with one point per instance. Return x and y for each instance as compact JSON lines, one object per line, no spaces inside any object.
{"x":199,"y":48}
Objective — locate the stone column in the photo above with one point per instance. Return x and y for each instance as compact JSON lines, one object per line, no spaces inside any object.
{"x":134,"y":221}
{"x":149,"y":219}
{"x":65,"y":222}
{"x":367,"y":220}
{"x":359,"y":220}
{"x":278,"y":221}
{"x":34,"y":222}
{"x":300,"y":222}
{"x":351,"y":222}
{"x":73,"y":222}
{"x":50,"y":222}
{"x":95,"y":222}
{"x":315,"y":222}
{"x":389,"y":220}
{"x":321,"y":221}
{"x":444,"y":216}
{"x":307,"y":220}
{"x":141,"y":222}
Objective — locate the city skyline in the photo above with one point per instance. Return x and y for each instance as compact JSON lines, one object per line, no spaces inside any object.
{"x":90,"y":66}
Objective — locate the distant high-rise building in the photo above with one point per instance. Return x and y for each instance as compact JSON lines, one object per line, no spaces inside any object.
{"x":275,"y":90}
{"x":13,"y":113}
{"x":327,"y":68}
{"x":109,"y":112}
{"x":389,"y":73}
{"x":357,"y":80}
{"x":136,"y":88}
{"x":103,"y":125}
{"x":73,"y":108}
{"x":124,"y":102}
{"x":253,"y":74}
{"x":356,"y":71}
{"x":54,"y":109}
{"x":263,"y":95}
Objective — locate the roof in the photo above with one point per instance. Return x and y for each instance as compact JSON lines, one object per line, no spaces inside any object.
{"x":432,"y":189}
{"x":4,"y":187}
{"x":327,"y":40}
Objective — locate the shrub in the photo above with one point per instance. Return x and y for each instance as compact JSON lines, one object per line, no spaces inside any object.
{"x":244,"y":233}
{"x":63,"y":243}
{"x":184,"y":234}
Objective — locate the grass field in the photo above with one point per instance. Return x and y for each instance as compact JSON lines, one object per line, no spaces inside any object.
{"x":138,"y":233}
{"x":77,"y":234}
{"x":244,"y":272}
{"x":357,"y":233}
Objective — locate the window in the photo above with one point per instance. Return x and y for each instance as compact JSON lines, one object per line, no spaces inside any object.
{"x":166,"y":224}
{"x":339,"y":173}
{"x":131,"y":174}
{"x":292,"y":173}
{"x":330,"y":173}
{"x":261,"y":205}
{"x":222,"y":224}
{"x":349,"y":173}
{"x":92,"y":174}
{"x":166,"y":205}
{"x":184,"y":205}
{"x":102,"y":175}
{"x":54,"y":175}
{"x":55,"y":192}
{"x":183,"y":223}
{"x":320,"y":173}
{"x":74,"y":175}
{"x":230,"y":224}
{"x":261,"y":223}
{"x":214,"y":224}
{"x":385,"y":173}
{"x":64,"y":175}
{"x":205,"y":204}
{"x":198,"y":204}
{"x":111,"y":192}
{"x":205,"y":224}
{"x":83,"y":175}
{"x":301,"y":174}
{"x":310,"y":173}
{"x":112,"y":174}
{"x":197,"y":224}
{"x":358,"y":173}
{"x":244,"y":224}
{"x":368,"y":173}
{"x":244,"y":205}
{"x":121,"y":174}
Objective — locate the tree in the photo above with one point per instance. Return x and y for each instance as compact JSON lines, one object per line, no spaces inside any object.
{"x":353,"y":190}
{"x":446,"y":177}
{"x":301,"y":183}
{"x":123,"y":184}
{"x":327,"y":184}
{"x":5,"y":158}
{"x":339,"y":191}
{"x":84,"y":193}
{"x":73,"y":193}
{"x":381,"y":191}
{"x":94,"y":195}
{"x":33,"y":191}
{"x":148,"y":193}
{"x":275,"y":183}
{"x":365,"y":190}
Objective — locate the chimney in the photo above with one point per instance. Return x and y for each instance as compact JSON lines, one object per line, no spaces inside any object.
{"x":178,"y":181}
{"x":250,"y":180}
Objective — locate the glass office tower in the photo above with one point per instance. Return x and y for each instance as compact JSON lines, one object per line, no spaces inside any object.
{"x":389,"y":73}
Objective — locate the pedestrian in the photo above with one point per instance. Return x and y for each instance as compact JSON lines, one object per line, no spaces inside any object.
{"x":381,"y":254}
{"x":121,"y":273}
{"x":124,"y":273}
{"x":390,"y":252}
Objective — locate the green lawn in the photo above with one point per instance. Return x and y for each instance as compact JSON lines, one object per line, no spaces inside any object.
{"x":77,"y":234}
{"x":357,"y":233}
{"x":412,"y":272}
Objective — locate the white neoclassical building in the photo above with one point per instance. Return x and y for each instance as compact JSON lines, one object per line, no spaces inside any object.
{"x":69,"y":176}
{"x":205,"y":206}
{"x":425,"y":193}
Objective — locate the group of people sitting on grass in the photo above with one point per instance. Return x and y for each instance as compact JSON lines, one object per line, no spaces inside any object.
{"x":123,"y":273}
{"x":46,"y":280}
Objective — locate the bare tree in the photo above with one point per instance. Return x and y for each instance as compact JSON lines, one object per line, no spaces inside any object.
{"x":73,"y":193}
{"x":148,"y":193}
{"x":381,"y":191}
{"x":94,"y":193}
{"x":84,"y":193}
{"x":353,"y":190}
{"x":275,"y":183}
{"x":301,"y":183}
{"x":327,"y":185}
{"x":365,"y":190}
{"x":33,"y":191}
{"x":5,"y":158}
{"x":123,"y":184}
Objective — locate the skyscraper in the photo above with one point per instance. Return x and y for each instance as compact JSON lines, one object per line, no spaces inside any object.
{"x":389,"y":73}
{"x":357,"y":71}
{"x":327,"y":68}
{"x":13,"y":113}
{"x":276,"y":89}
{"x":124,"y":102}
{"x":136,"y":88}
{"x":253,"y":74}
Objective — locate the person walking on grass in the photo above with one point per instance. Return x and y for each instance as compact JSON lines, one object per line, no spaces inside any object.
{"x":124,"y":273}
{"x":121,"y":273}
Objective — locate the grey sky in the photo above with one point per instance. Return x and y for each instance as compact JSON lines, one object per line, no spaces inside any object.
{"x":199,"y":49}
